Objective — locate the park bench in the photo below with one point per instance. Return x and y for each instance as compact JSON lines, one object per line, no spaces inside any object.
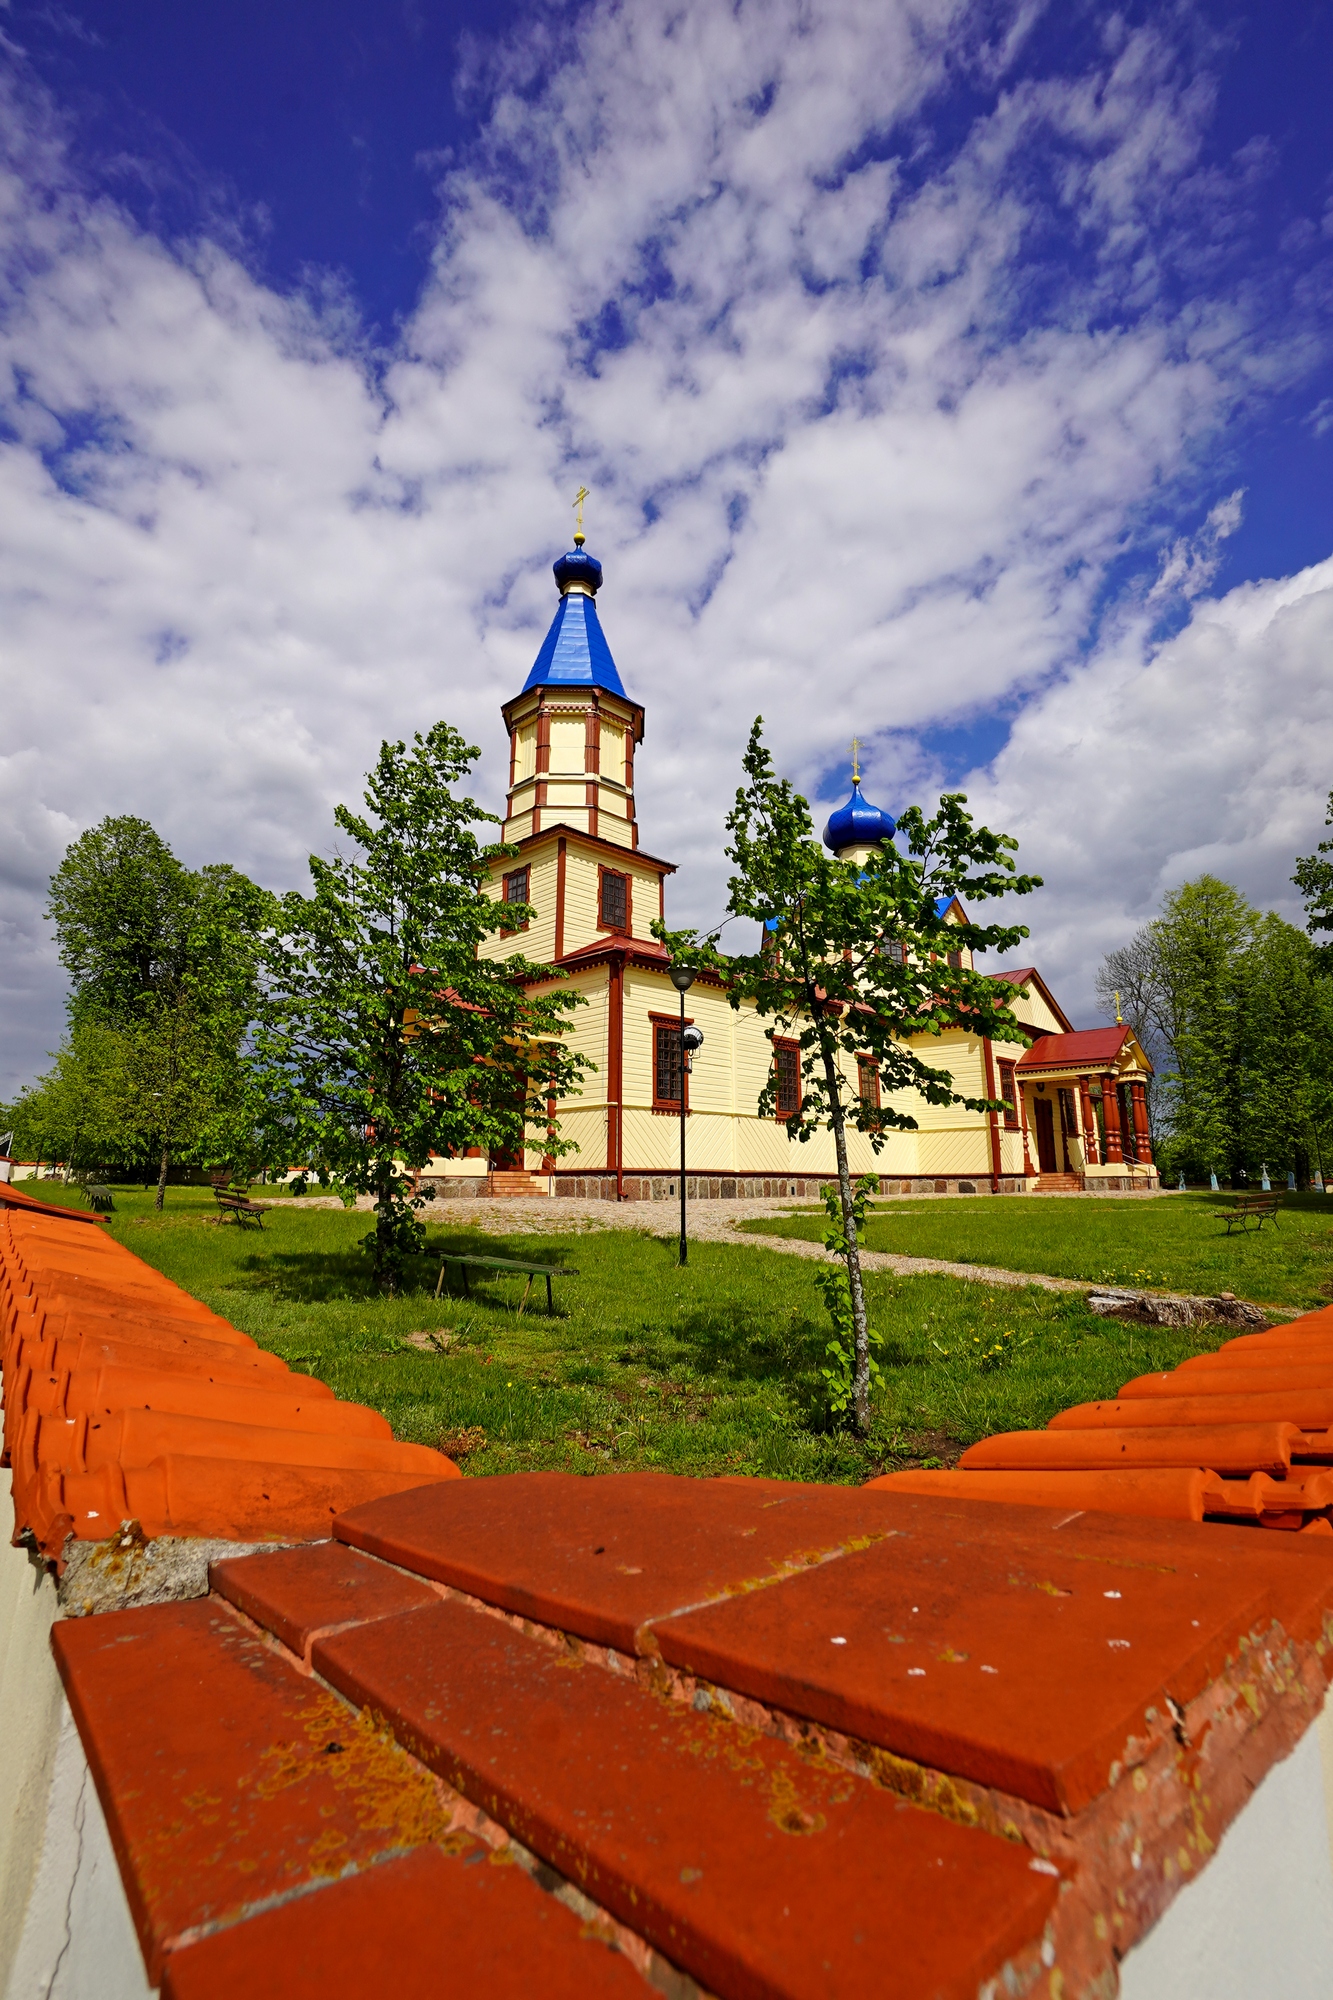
{"x":100,"y":1198}
{"x":1252,"y":1208}
{"x":503,"y":1265}
{"x":238,"y":1206}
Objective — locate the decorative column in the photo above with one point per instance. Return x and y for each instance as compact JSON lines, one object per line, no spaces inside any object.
{"x":1138,"y":1097}
{"x":1115,"y":1152}
{"x":1023,"y":1121}
{"x":1091,"y":1156}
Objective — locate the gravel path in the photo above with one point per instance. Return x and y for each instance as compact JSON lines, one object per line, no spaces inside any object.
{"x":709,"y":1222}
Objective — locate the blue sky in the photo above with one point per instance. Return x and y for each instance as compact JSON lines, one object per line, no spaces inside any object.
{"x":958,"y":376}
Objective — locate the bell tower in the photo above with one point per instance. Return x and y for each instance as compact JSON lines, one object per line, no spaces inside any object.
{"x":573,"y":729}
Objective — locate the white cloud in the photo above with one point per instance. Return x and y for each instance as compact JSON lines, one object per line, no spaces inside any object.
{"x":866,"y":416}
{"x":1210,"y":753}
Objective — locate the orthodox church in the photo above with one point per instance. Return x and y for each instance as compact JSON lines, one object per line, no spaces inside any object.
{"x":1074,"y":1107}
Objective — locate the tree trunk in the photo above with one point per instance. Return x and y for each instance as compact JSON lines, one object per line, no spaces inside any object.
{"x":162,"y":1176}
{"x":861,"y":1343}
{"x":388,"y":1258}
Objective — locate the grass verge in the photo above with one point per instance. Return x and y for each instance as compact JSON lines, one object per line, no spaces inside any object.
{"x":1171,"y":1244}
{"x":645,"y":1366}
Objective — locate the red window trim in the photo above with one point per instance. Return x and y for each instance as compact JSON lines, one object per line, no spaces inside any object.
{"x":1008,"y":1075}
{"x":668,"y":1107}
{"x":785,"y":1042}
{"x":864,"y":1063}
{"x":617,"y":930}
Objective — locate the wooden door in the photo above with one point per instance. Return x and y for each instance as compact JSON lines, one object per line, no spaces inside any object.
{"x":1045,"y":1123}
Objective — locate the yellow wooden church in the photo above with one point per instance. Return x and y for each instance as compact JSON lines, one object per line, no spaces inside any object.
{"x":1075,"y":1112}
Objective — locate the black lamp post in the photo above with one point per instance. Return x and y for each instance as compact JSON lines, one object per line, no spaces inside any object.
{"x":690,"y":1040}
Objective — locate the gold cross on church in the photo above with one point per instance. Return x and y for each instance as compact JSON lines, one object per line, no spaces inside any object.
{"x":856,"y":760}
{"x":579,"y":499}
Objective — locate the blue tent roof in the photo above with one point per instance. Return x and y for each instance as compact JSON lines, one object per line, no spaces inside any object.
{"x":858,"y":823}
{"x":574,"y":652}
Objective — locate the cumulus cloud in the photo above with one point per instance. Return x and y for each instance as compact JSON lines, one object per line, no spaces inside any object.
{"x":871,"y":398}
{"x":1152,"y":764}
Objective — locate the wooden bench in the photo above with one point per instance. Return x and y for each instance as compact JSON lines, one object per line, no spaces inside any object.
{"x":100,"y":1198}
{"x":1252,"y":1208}
{"x":238,"y":1206}
{"x":503,"y":1265}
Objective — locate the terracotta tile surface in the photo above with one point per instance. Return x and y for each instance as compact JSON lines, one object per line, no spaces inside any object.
{"x":226,"y":1777}
{"x":416,"y":1929}
{"x":297,"y":1593}
{"x":992,"y":1644}
{"x":754,"y":1869}
{"x":1160,"y":1493}
{"x":1311,"y":1409}
{"x":1234,"y":1381}
{"x":126,"y":1399}
{"x":1221,"y":1448}
{"x":602,"y":1557}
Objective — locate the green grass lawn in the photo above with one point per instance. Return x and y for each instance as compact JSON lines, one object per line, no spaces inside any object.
{"x":1175,"y":1243}
{"x":711,"y":1369}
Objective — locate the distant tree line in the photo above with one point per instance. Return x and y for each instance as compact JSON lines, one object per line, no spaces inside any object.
{"x":1234,"y":1007}
{"x":355,"y":1031}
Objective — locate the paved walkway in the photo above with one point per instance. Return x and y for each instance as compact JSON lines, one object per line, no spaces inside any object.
{"x":709,"y":1222}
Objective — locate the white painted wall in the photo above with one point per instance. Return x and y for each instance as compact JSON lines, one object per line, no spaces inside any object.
{"x":1258,"y":1922}
{"x":77,"y":1941}
{"x":30,"y":1698}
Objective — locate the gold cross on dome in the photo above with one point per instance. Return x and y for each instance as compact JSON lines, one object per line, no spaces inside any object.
{"x":856,"y":760}
{"x":579,"y":499}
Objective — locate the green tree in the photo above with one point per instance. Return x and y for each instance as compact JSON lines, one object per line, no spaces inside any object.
{"x":1204,"y":930}
{"x":71,"y":1113}
{"x":1286,"y":1049}
{"x":165,"y":958}
{"x":859,"y":966}
{"x":384,"y":1038}
{"x":1314,"y":879}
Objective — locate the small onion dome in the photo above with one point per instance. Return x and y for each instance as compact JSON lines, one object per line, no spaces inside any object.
{"x":578,"y":567}
{"x":858,"y":824}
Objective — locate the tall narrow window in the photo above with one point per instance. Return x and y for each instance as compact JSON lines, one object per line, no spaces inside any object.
{"x":955,"y":959}
{"x":666,"y":1066}
{"x":894,"y":950}
{"x":613,"y":914}
{"x":1010,"y":1096}
{"x":787,"y":1064}
{"x":867,"y":1083}
{"x":515,"y":890}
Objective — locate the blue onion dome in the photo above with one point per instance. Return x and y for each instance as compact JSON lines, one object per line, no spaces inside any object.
{"x":858,"y":823}
{"x":578,"y":567}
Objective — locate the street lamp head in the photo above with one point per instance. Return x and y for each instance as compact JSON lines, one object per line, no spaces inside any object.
{"x":681,"y":977}
{"x":693,"y":1039}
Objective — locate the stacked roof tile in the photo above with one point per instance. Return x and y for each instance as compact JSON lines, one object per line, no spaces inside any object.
{"x":126,"y":1399}
{"x":1241,"y":1435}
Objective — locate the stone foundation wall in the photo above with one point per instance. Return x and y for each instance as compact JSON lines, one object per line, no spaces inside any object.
{"x":762,"y":1187}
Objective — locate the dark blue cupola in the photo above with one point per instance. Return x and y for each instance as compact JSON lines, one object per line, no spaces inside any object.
{"x":858,"y":823}
{"x":574,"y":652}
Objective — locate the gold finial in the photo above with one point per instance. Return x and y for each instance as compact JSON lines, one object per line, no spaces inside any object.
{"x":1119,"y":1018}
{"x":579,"y":498}
{"x":856,"y":760}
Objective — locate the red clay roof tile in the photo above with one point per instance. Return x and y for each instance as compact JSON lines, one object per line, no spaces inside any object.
{"x":227,"y":1778}
{"x":1312,"y":1409}
{"x":417,"y":1928}
{"x":301,"y":1594}
{"x":1226,"y":1448}
{"x":747,"y":1865}
{"x":124,"y":1398}
{"x":601,"y":1557}
{"x":1004,"y":1647}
